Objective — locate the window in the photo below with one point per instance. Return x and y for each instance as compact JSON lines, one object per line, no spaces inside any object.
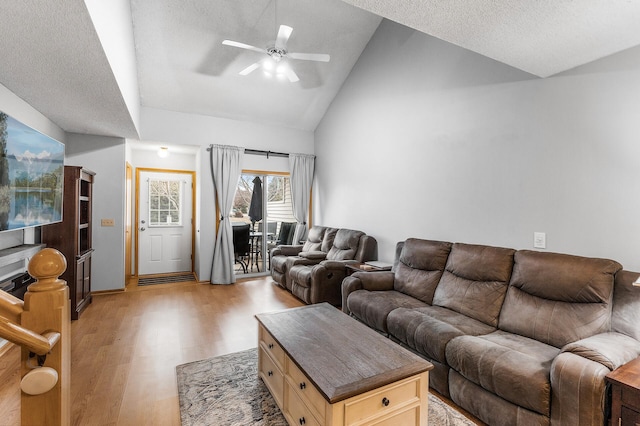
{"x":165,"y":202}
{"x":276,"y":185}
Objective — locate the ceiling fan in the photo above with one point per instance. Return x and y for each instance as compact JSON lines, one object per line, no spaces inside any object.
{"x":273,"y":64}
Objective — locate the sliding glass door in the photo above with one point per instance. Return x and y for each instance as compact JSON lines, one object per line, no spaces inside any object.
{"x":262,"y":217}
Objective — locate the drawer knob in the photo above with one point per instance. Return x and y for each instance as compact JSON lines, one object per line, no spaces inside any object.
{"x":302,"y":420}
{"x":269,"y":373}
{"x":303,"y":385}
{"x":385,"y":402}
{"x":270,"y":345}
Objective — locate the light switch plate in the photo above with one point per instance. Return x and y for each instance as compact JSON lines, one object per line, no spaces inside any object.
{"x":539,"y":240}
{"x":108,"y":222}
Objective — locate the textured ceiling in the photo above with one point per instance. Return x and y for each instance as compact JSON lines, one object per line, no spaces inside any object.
{"x":540,"y":37}
{"x":183,"y":66}
{"x":52,"y":57}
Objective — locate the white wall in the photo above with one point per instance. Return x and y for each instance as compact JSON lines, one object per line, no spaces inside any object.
{"x":429,"y":140}
{"x":26,"y":114}
{"x":113,"y":23}
{"x":106,"y":157}
{"x":188,"y":129}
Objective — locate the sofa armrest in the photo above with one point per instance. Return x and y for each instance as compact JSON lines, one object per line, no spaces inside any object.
{"x":578,"y":391}
{"x":336,"y":264}
{"x":609,"y":349}
{"x":376,"y":281}
{"x":287,"y":250}
{"x":313,"y":255}
{"x":372,"y":281}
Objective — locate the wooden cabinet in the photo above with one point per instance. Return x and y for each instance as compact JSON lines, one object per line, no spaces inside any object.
{"x":72,"y":236}
{"x":625,"y":392}
{"x":402,"y":402}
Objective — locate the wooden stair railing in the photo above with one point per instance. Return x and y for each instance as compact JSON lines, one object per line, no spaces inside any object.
{"x":41,"y":325}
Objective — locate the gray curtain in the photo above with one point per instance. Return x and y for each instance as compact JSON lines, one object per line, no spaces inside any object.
{"x":225,"y":170}
{"x":301,"y":168}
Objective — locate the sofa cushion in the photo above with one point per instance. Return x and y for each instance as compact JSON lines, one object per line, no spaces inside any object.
{"x":345,"y":245}
{"x":314,"y":239}
{"x":427,"y":330}
{"x":513,"y":367}
{"x":327,"y":240}
{"x":420,"y":266}
{"x":373,"y":307}
{"x":558,"y":298}
{"x":475,"y":281}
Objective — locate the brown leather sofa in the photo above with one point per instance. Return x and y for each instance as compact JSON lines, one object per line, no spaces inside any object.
{"x":314,"y":250}
{"x":517,"y":337}
{"x":313,"y":272}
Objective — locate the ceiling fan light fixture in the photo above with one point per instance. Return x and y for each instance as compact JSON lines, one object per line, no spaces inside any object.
{"x":275,"y":54}
{"x":268,"y":65}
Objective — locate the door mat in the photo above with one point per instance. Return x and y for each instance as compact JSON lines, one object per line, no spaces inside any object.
{"x":176,"y":278}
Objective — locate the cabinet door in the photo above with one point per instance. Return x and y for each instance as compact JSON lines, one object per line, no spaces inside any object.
{"x":86,"y":277}
{"x":629,"y":417}
{"x":79,"y":290}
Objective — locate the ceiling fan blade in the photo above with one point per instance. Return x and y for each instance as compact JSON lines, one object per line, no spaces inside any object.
{"x":283,"y":36}
{"x":251,"y":68}
{"x":291,"y":75}
{"x":319,"y":57}
{"x":243,"y":46}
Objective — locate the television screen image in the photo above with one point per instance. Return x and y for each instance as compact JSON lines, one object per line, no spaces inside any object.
{"x":31,"y":176}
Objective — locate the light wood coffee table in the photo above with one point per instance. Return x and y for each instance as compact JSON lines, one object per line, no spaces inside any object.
{"x":325,"y":368}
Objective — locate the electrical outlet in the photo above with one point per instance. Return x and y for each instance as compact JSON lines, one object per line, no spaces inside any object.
{"x":539,"y":240}
{"x":108,"y":222}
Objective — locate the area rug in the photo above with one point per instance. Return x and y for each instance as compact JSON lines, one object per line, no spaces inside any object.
{"x":226,"y":391}
{"x":175,"y":278}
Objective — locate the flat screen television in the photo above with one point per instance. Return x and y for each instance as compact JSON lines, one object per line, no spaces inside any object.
{"x":31,"y":176}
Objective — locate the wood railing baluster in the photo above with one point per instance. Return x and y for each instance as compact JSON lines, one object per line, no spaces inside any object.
{"x":47,"y":312}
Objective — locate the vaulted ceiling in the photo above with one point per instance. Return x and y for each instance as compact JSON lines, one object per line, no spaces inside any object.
{"x":53,"y":58}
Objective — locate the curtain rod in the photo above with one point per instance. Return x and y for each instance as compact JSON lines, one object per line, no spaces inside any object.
{"x":261,"y":152}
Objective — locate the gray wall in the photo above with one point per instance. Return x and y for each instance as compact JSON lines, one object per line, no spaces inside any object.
{"x":190,"y":129}
{"x":105,"y":156}
{"x":429,"y":140}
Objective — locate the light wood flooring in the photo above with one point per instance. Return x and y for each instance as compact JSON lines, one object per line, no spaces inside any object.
{"x":126,"y":345}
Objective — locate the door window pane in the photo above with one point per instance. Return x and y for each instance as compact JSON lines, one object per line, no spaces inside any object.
{"x":165,"y":202}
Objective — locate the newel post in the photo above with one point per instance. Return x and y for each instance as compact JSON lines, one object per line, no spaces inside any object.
{"x":46,"y":309}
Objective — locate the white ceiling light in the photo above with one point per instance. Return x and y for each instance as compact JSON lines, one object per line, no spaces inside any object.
{"x":163,"y":152}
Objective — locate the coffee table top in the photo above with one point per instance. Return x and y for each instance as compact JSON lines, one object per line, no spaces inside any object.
{"x":341,"y":356}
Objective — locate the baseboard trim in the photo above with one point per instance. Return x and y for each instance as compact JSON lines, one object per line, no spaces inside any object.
{"x":103,"y":292}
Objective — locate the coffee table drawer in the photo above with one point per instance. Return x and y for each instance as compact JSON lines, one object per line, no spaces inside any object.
{"x":387,"y":398}
{"x":406,"y":417}
{"x":272,"y":347}
{"x":306,"y":390}
{"x":296,"y":411}
{"x":272,"y":376}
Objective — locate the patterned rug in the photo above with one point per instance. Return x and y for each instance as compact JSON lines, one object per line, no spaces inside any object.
{"x":226,"y":391}
{"x":176,"y":278}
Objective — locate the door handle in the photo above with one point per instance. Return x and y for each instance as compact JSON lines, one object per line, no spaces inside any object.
{"x":142,"y":229}
{"x":142,"y":221}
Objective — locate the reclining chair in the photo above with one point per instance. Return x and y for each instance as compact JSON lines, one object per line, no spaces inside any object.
{"x":314,"y":250}
{"x":322,"y":282}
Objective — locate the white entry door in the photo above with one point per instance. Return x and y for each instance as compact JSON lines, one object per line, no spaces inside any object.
{"x":164,"y":222}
